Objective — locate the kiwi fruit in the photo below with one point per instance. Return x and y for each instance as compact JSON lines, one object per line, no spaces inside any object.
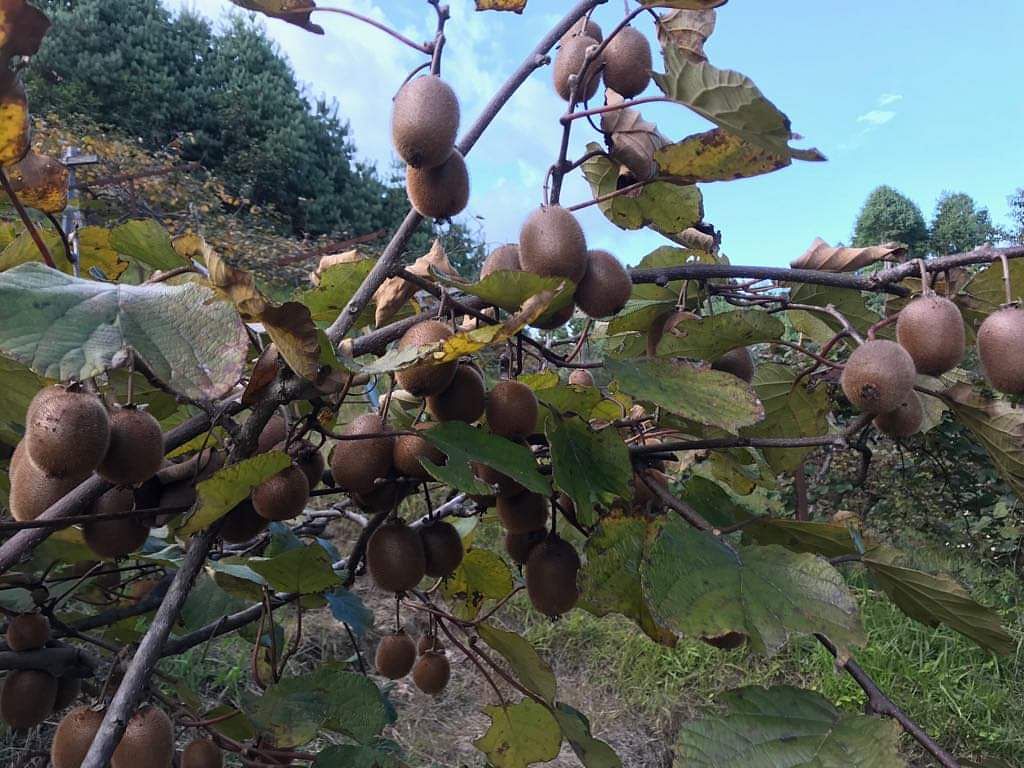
{"x":523,"y":513}
{"x":1001,"y":350}
{"x":148,"y":740}
{"x":552,"y":243}
{"x":905,"y":420}
{"x":739,"y":362}
{"x":520,"y":545}
{"x":32,"y":490}
{"x":428,"y":643}
{"x":605,"y":287}
{"x":512,"y":410}
{"x":569,"y":62}
{"x":274,"y":432}
{"x":556,"y":319}
{"x":442,"y":546}
{"x":587,"y":27}
{"x":878,"y":376}
{"x":395,"y":557}
{"x":202,"y":753}
{"x":120,"y":536}
{"x":931,"y":329}
{"x":74,"y":736}
{"x":396,"y":653}
{"x":505,"y":484}
{"x":551,"y":576}
{"x":385,"y":497}
{"x":462,"y":400}
{"x":27,"y":697}
{"x":136,"y":449}
{"x":68,"y":689}
{"x":242,"y":524}
{"x":409,"y":449}
{"x":426,"y":379}
{"x":432,"y":672}
{"x":504,"y":258}
{"x":140,"y":589}
{"x":282,"y":496}
{"x":425,"y":122}
{"x":356,"y":464}
{"x":627,"y":63}
{"x":27,"y":632}
{"x":67,"y":432}
{"x":310,"y":460}
{"x":581,"y":377}
{"x":441,"y":192}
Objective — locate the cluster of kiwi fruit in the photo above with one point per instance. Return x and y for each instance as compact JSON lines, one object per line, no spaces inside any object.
{"x":624,"y":64}
{"x":29,"y":696}
{"x":424,"y":124}
{"x":398,"y":655}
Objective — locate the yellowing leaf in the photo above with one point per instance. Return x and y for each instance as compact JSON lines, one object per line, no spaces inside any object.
{"x":716,"y":155}
{"x":520,"y":735}
{"x":516,"y":6}
{"x":230,"y":486}
{"x":40,"y":182}
{"x":14,"y":124}
{"x":395,"y":292}
{"x":823,"y":256}
{"x":297,"y":12}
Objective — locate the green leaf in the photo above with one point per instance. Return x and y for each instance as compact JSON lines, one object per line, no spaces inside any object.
{"x":353,"y":756}
{"x":146,"y":242}
{"x":305,"y":571}
{"x":711,"y":337}
{"x":206,"y":603}
{"x":19,"y":386}
{"x":825,"y":539}
{"x":520,"y":735}
{"x":348,"y":608}
{"x":291,"y":711}
{"x":593,"y":753}
{"x":716,"y":504}
{"x":698,"y":585}
{"x":811,"y":325}
{"x":481,"y":575}
{"x":999,"y":427}
{"x":786,"y":726}
{"x":531,"y":670}
{"x":355,"y":705}
{"x":230,"y":486}
{"x":986,"y":291}
{"x":338,"y":284}
{"x":238,"y":727}
{"x":462,"y":443}
{"x":703,"y":395}
{"x":234,"y":576}
{"x":510,"y":289}
{"x":852,"y":304}
{"x":592,"y":467}
{"x":640,"y":314}
{"x":67,"y":328}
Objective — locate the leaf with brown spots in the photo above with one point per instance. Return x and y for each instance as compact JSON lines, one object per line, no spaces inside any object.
{"x":716,"y":155}
{"x":395,"y":292}
{"x":14,"y":123}
{"x":516,"y":6}
{"x":634,"y":140}
{"x":295,"y":12}
{"x":22,"y":28}
{"x":827,"y":258}
{"x":40,"y":182}
{"x":687,"y":30}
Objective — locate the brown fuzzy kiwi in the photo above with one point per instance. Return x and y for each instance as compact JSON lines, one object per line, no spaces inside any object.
{"x":384,"y":497}
{"x":556,"y":319}
{"x":587,"y":27}
{"x":395,"y":557}
{"x":442,"y":546}
{"x":605,"y":288}
{"x":142,"y":588}
{"x":581,"y":377}
{"x":425,"y":121}
{"x":523,"y":513}
{"x":428,"y":643}
{"x":409,"y":449}
{"x":202,"y":753}
{"x":878,"y":376}
{"x":739,"y":362}
{"x":505,"y":484}
{"x":551,"y":574}
{"x":310,"y":460}
{"x":136,"y":449}
{"x":66,"y":432}
{"x":148,"y":740}
{"x":1001,"y":350}
{"x":32,"y":490}
{"x":568,"y":63}
{"x":27,"y":632}
{"x":627,"y":63}
{"x":520,"y":545}
{"x":74,"y":736}
{"x":463,"y":400}
{"x":426,"y":379}
{"x":242,"y":524}
{"x":68,"y":690}
{"x":432,"y":672}
{"x":665,"y":325}
{"x":552,"y":243}
{"x":356,"y":464}
{"x":274,"y":433}
{"x":120,"y":536}
{"x":282,"y":496}
{"x":396,"y":654}
{"x":905,"y":421}
{"x":27,"y":697}
{"x":512,"y":410}
{"x":441,"y":192}
{"x":931,"y":329}
{"x":504,"y":258}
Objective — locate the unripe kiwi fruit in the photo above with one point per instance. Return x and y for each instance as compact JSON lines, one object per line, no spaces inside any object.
{"x":426,"y":379}
{"x":356,"y":464}
{"x":504,"y":258}
{"x":136,"y":449}
{"x":409,"y":449}
{"x":396,"y":654}
{"x":905,"y":420}
{"x":931,"y":329}
{"x":441,"y":192}
{"x":27,"y":697}
{"x":512,"y":410}
{"x":68,"y":689}
{"x":148,"y":740}
{"x":551,"y":572}
{"x":432,"y":673}
{"x":520,"y":545}
{"x":462,"y":400}
{"x":395,"y":557}
{"x":242,"y":524}
{"x":1001,"y":350}
{"x":32,"y":490}
{"x":581,"y":377}
{"x":428,"y":643}
{"x":606,"y":286}
{"x":442,"y":547}
{"x":425,"y":122}
{"x":739,"y":362}
{"x":878,"y":376}
{"x":523,"y":513}
{"x":505,"y":484}
{"x":282,"y":496}
{"x":202,"y":753}
{"x":552,"y":243}
{"x":627,"y":63}
{"x":117,"y":537}
{"x":27,"y":632}
{"x":568,"y":63}
{"x":66,"y":432}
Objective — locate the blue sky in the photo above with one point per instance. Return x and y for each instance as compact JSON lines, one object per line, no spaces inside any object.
{"x":923,"y":96}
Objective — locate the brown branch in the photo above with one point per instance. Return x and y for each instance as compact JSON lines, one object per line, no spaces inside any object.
{"x":568,"y":117}
{"x":688,"y":513}
{"x":26,"y":220}
{"x":59,"y":661}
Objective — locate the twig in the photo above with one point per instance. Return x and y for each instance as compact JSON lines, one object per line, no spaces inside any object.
{"x":570,"y":116}
{"x":426,"y":48}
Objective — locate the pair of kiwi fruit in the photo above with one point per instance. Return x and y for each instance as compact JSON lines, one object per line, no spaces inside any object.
{"x":397,"y":656}
{"x":399,"y":556}
{"x":30,"y":696}
{"x":424,"y":125}
{"x":625,"y":63}
{"x":148,"y":739}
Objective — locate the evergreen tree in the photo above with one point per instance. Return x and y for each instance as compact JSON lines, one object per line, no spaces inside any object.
{"x":888,"y":216}
{"x":1017,"y":216}
{"x":959,"y":225}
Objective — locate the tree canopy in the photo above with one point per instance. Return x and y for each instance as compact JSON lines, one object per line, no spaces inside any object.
{"x":889,"y":216}
{"x":960,"y":225}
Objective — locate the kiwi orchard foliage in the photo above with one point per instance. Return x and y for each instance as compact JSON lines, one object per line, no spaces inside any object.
{"x":167,"y":426}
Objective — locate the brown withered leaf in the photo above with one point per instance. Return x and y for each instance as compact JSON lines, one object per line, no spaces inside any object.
{"x":687,"y":30}
{"x":297,"y":12}
{"x":22,"y":28}
{"x":827,"y":258}
{"x":634,"y":140}
{"x":333,"y":259}
{"x":688,"y":5}
{"x":395,"y":292}
{"x":716,"y":155}
{"x":696,"y":240}
{"x":14,"y":120}
{"x":516,"y":6}
{"x":40,"y":182}
{"x":263,"y":373}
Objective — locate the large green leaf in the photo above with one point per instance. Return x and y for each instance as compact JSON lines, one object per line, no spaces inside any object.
{"x":825,"y":539}
{"x":999,"y":427}
{"x":67,"y":328}
{"x":355,"y":706}
{"x":520,"y":735}
{"x":703,"y":395}
{"x":593,"y":753}
{"x":462,"y":444}
{"x":304,"y":571}
{"x":531,"y":670}
{"x":698,"y":585}
{"x":716,"y":505}
{"x":481,"y":575}
{"x":510,"y":289}
{"x":717,"y":155}
{"x":291,"y":711}
{"x":986,"y":292}
{"x":849,"y":302}
{"x":592,"y":467}
{"x":338,"y":283}
{"x":785,"y":727}
{"x":708,"y":338}
{"x":230,"y":486}
{"x":146,"y":242}
{"x":19,"y":386}
{"x":356,"y":756}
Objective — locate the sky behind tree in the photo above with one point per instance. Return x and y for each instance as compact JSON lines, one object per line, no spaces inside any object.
{"x":920,"y":96}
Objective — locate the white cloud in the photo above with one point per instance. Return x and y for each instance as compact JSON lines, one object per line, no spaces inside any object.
{"x":876,"y":117}
{"x":889,"y":98}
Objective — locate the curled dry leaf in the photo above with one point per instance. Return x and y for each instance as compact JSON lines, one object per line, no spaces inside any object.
{"x":516,"y":6}
{"x":22,"y":28}
{"x":827,"y":258}
{"x":695,"y":239}
{"x":633,"y":139}
{"x":263,"y":373}
{"x":395,"y":292}
{"x":687,"y":31}
{"x":40,"y":182}
{"x":331,"y":260}
{"x":295,"y":12}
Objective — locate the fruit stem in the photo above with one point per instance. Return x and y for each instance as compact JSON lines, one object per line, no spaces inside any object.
{"x":1007,"y":285}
